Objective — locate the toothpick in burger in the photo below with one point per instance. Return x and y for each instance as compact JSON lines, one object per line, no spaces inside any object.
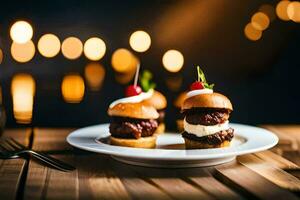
{"x":206,"y":121}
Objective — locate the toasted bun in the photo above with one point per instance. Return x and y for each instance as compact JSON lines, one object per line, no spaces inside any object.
{"x":161,"y":128}
{"x":192,"y":144}
{"x":133,"y":110}
{"x":143,"y":142}
{"x":214,"y":100}
{"x":180,"y":99}
{"x":158,"y":100}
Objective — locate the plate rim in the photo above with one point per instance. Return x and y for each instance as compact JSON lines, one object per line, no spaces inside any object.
{"x":198,"y":153}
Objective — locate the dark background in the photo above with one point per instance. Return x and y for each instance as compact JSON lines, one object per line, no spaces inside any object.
{"x":261,"y":78}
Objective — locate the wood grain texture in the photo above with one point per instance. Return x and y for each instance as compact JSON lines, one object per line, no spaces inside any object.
{"x":12,"y":170}
{"x":97,"y":180}
{"x":250,"y":183}
{"x":47,"y":183}
{"x":277,"y":160}
{"x":51,"y":140}
{"x":212,"y":186}
{"x":173,"y":182}
{"x":270,"y":172}
{"x":93,"y":178}
{"x":289,"y":137}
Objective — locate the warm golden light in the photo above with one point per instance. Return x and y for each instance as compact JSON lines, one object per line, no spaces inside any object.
{"x":72,"y":48}
{"x":23,"y":90}
{"x":269,"y":10}
{"x":293,"y":11}
{"x":281,"y":10}
{"x":1,"y":56}
{"x":72,"y":88}
{"x":123,"y":61}
{"x":94,"y":48}
{"x":21,"y":32}
{"x":94,"y":74}
{"x":49,"y":45}
{"x":173,"y":60}
{"x":22,"y":52}
{"x":252,"y":33}
{"x":260,"y":21}
{"x":140,"y":41}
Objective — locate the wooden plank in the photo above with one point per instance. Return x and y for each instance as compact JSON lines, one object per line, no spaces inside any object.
{"x":93,"y":178}
{"x":172,"y":182}
{"x":97,"y":180}
{"x":139,"y":187}
{"x":211,"y":185}
{"x":253,"y":185}
{"x":47,"y":183}
{"x":11,"y":171}
{"x":293,"y":156}
{"x":270,"y":172}
{"x":288,"y":140}
{"x":276,"y":160}
{"x":52,"y":140}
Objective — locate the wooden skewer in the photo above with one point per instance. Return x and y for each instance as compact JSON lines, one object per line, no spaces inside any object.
{"x":137,"y":74}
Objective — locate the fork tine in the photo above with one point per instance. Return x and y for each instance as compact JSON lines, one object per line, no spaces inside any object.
{"x":5,"y":146}
{"x":13,"y":144}
{"x":21,"y":146}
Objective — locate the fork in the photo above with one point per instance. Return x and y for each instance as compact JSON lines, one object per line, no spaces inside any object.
{"x":13,"y":149}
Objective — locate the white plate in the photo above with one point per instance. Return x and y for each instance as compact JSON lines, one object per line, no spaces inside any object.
{"x":170,"y":150}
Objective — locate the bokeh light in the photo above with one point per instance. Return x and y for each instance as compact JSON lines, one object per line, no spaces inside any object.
{"x":23,"y":91}
{"x":281,"y":10}
{"x":72,"y":88}
{"x":1,"y":56}
{"x":252,"y":33}
{"x":94,"y":74}
{"x":94,"y":48}
{"x":140,"y":41}
{"x":124,"y":78}
{"x":260,"y":21}
{"x":123,"y":61}
{"x":293,"y":11}
{"x":22,"y":52}
{"x":72,"y":48}
{"x":21,"y":32}
{"x":269,"y":10}
{"x":173,"y":60}
{"x":49,"y":45}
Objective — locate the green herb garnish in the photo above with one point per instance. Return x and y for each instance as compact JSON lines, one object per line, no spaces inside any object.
{"x":145,"y":80}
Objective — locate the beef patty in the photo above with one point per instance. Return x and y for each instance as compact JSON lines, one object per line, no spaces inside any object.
{"x":214,"y":139}
{"x":132,"y":128}
{"x":207,"y":116}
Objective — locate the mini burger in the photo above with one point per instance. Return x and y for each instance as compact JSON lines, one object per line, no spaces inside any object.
{"x":178,"y":104}
{"x":133,"y":122}
{"x":206,"y":123}
{"x":159,"y":102}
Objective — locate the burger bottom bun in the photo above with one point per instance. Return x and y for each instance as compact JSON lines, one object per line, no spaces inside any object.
{"x":161,"y":128}
{"x":192,"y":144}
{"x":179,"y":124}
{"x":143,"y":142}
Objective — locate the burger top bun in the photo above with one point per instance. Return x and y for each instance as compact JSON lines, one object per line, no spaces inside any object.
{"x":158,"y":100}
{"x":134,"y":110}
{"x":213,"y":100}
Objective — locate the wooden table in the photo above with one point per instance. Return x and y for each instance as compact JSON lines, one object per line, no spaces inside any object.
{"x":272,"y":174}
